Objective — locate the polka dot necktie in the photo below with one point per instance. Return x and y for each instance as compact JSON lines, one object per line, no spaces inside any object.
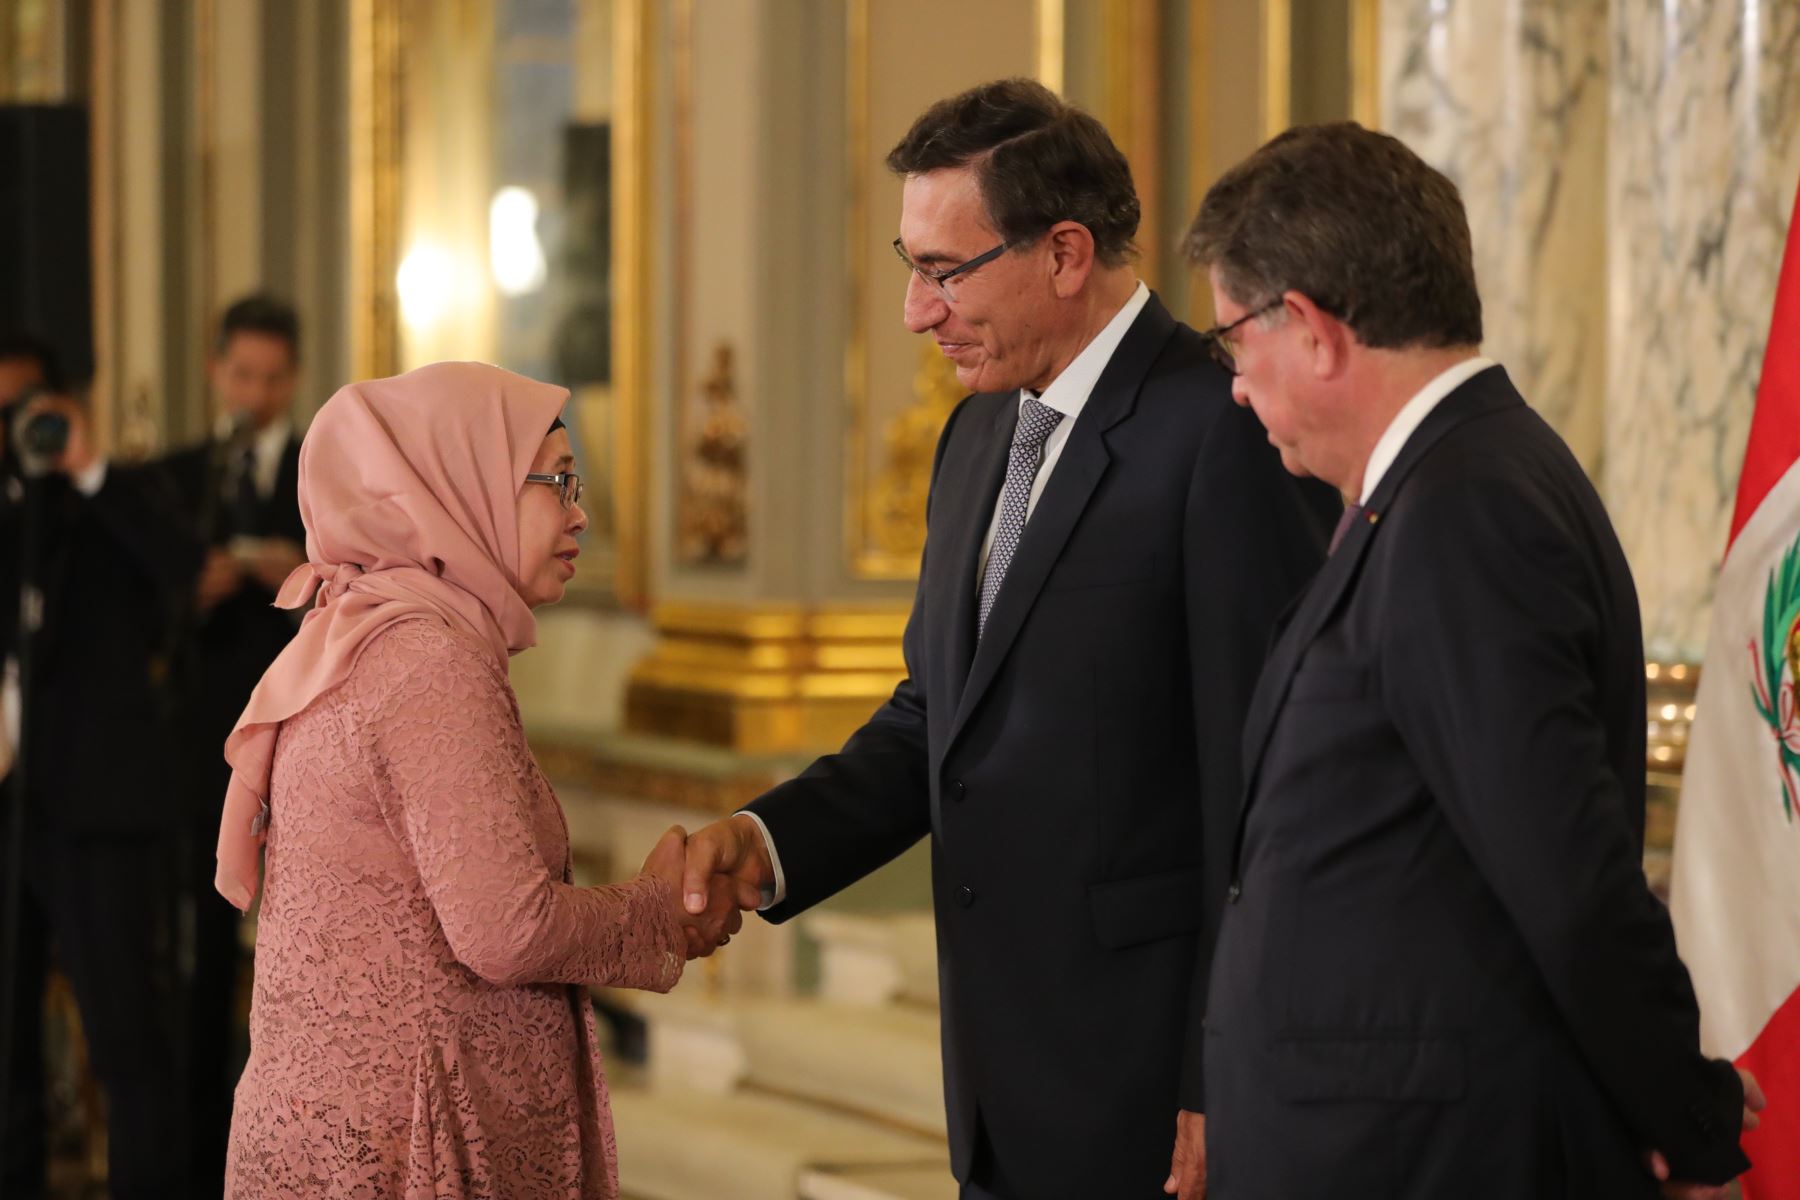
{"x":1036,"y":423}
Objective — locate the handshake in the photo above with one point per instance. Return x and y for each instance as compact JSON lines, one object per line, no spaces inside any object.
{"x":714,"y":876}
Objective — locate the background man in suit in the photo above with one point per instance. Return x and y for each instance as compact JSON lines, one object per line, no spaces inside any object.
{"x":1440,"y":971}
{"x":241,"y":490}
{"x":1109,"y":540}
{"x":89,"y":553}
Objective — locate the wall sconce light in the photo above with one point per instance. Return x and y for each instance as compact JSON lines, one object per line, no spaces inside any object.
{"x":515,"y":255}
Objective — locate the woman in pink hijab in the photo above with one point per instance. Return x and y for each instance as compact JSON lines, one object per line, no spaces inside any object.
{"x":419,"y":1027}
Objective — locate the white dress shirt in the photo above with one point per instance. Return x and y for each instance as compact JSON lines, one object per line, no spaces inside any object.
{"x":266,"y":446}
{"x":1068,"y":394}
{"x":1412,"y":414}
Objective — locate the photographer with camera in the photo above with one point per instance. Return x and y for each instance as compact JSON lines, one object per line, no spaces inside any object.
{"x":90,"y":552}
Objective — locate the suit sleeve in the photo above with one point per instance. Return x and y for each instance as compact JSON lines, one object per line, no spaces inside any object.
{"x":854,"y":811}
{"x":1489,"y":678}
{"x":1254,"y":536}
{"x":138,"y":509}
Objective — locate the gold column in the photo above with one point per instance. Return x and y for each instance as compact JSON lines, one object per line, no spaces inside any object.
{"x":1278,"y":57}
{"x":374,"y":186}
{"x":1365,"y":62}
{"x":1051,"y":18}
{"x":634,"y":33}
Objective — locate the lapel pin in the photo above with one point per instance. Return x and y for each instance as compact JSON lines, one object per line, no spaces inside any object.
{"x":1373,"y":516}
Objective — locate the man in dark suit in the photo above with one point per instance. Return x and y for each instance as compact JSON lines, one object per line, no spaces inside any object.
{"x":1109,"y":540}
{"x":241,"y":488}
{"x":90,"y":552}
{"x":1440,"y":970}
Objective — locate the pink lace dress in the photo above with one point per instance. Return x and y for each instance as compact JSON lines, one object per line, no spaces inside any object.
{"x":418,"y":1028}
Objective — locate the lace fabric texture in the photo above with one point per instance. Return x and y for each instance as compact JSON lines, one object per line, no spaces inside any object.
{"x":418,"y":1028}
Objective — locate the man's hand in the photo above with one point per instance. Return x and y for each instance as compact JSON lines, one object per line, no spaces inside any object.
{"x":718,"y":918}
{"x":1675,"y":1189}
{"x":220,"y":579}
{"x":273,"y":560}
{"x":1754,"y":1100}
{"x":1187,"y":1167}
{"x":731,"y":850}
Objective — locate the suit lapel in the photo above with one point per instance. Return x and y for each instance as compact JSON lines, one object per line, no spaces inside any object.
{"x":1077,"y":474}
{"x":1485,"y":393}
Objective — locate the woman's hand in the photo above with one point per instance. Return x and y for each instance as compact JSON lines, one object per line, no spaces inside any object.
{"x":708,"y":930}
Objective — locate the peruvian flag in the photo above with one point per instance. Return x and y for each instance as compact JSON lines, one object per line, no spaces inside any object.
{"x":1736,"y":885}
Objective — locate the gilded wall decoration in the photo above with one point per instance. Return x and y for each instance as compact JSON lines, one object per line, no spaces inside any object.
{"x":908,"y":444}
{"x":714,"y":525}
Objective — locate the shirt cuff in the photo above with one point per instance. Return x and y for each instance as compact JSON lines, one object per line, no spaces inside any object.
{"x":91,"y":480}
{"x":771,"y":896}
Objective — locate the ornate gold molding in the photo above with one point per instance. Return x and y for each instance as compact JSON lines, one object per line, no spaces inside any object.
{"x":1134,"y":98}
{"x":909,"y":444}
{"x":1669,"y":690}
{"x":713,"y":518}
{"x":206,"y":70}
{"x":1365,"y":62}
{"x":1049,"y":36}
{"x":618,"y":767}
{"x":374,"y":186}
{"x":861,"y":549}
{"x":634,"y":45}
{"x":33,"y":62}
{"x":765,"y":678}
{"x":1278,"y":63}
{"x":1200,"y":148}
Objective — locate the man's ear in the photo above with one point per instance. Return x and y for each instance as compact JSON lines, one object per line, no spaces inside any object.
{"x":1071,"y":257}
{"x":1329,"y":338}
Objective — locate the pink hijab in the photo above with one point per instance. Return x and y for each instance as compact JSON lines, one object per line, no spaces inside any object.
{"x":409,"y":488}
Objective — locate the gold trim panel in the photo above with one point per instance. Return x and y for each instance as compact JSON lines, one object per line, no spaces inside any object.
{"x":374,"y":187}
{"x":1052,"y":18}
{"x":1278,"y":64}
{"x":634,"y":43}
{"x":767,"y":678}
{"x":1365,"y":62}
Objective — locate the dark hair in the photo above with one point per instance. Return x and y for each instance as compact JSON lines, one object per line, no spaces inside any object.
{"x":264,"y":314}
{"x":20,"y":344}
{"x":1356,"y":222}
{"x":1038,"y":160}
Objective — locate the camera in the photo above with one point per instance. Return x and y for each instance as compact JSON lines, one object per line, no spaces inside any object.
{"x":37,"y":437}
{"x":44,"y":435}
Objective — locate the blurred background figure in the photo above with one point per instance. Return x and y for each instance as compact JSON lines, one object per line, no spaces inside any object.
{"x":238,"y":487}
{"x":88,"y":551}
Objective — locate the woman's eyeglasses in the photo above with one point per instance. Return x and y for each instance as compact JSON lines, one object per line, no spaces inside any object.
{"x":568,"y":483}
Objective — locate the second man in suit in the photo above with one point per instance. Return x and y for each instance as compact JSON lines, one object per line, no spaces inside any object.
{"x":241,"y":489}
{"x":1440,"y":971}
{"x":1108,"y":541}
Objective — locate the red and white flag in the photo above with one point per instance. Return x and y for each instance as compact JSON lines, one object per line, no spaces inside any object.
{"x":1735,"y":893}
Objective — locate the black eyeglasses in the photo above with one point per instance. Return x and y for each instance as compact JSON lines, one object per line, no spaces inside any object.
{"x":568,"y":483}
{"x":941,"y":279}
{"x":1217,"y":337}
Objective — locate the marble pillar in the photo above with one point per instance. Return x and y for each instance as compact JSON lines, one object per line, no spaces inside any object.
{"x":1704,"y":154}
{"x":1508,"y":98}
